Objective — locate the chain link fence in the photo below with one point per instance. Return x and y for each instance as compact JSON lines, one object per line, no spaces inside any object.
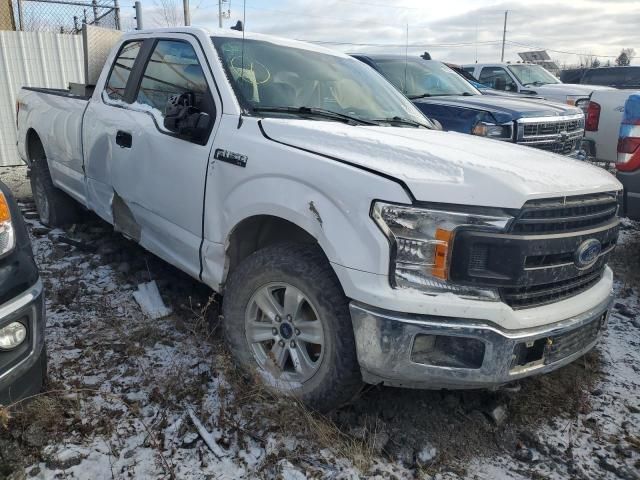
{"x":59,"y":16}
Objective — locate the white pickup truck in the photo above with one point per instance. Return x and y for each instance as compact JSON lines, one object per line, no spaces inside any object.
{"x":612,"y":135}
{"x":352,"y":241}
{"x":532,"y":79}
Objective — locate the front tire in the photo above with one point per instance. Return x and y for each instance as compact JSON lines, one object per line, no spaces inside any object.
{"x":287,"y":318}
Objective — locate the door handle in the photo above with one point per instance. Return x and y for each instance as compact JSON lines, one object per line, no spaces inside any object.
{"x":124,"y":139}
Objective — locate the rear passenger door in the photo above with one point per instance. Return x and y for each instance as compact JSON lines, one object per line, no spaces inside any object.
{"x":158,"y":177}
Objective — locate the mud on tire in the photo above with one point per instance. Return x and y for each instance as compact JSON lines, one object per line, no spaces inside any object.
{"x":336,"y":377}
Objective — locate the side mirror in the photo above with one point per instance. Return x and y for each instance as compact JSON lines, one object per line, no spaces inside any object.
{"x":183,"y":118}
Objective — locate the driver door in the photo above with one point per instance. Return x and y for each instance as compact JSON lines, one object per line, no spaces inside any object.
{"x":159,"y":176}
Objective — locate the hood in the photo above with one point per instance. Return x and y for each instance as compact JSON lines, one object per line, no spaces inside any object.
{"x":447,"y":167}
{"x":514,"y":107}
{"x":567,"y":89}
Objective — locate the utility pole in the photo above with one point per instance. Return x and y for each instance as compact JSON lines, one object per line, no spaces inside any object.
{"x":116,"y":11}
{"x":504,"y":35}
{"x":138,"y":7}
{"x":187,"y":15}
{"x":220,"y":13}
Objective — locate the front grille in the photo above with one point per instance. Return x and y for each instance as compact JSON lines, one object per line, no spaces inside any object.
{"x":566,"y":344}
{"x":561,"y":136}
{"x":553,"y":127}
{"x":537,"y":261}
{"x":566,"y":214}
{"x":543,"y":294}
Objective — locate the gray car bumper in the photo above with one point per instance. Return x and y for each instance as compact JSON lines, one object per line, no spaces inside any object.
{"x":22,"y":369}
{"x":387,"y":348}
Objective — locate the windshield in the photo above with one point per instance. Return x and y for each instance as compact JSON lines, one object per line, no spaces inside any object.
{"x":267,"y":76}
{"x":532,"y":75}
{"x":418,"y":78}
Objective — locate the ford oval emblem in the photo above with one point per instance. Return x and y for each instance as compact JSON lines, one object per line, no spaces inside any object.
{"x":587,"y":253}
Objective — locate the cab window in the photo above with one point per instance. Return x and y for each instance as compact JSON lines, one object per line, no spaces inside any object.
{"x":121,"y":70}
{"x":173,"y":68}
{"x":497,"y":78}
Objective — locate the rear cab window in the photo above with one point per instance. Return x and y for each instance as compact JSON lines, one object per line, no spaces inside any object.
{"x":121,"y":70}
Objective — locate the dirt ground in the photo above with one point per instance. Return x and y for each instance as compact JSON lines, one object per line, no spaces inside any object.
{"x":123,"y":390}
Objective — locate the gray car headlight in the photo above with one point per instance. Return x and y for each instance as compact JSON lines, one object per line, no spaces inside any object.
{"x":7,"y":233}
{"x":421,"y":244}
{"x":502,"y":131}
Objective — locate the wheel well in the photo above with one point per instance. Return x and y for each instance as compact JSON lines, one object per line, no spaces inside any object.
{"x":34,"y":146}
{"x":255,"y":233}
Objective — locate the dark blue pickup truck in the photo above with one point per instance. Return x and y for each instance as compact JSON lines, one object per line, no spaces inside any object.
{"x":443,"y":95}
{"x":22,"y":352}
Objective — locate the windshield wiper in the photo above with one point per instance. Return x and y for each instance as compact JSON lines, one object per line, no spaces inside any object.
{"x":402,"y":121}
{"x":536,"y":83}
{"x":422,"y":95}
{"x":317,"y":112}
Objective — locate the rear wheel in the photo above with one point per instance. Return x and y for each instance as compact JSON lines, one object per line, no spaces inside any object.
{"x":54,"y":207}
{"x":287,"y":318}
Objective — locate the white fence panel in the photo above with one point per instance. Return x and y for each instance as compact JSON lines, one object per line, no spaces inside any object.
{"x":33,"y":59}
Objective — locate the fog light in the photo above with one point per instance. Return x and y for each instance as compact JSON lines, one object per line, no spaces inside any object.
{"x":444,"y":351}
{"x":12,"y":335}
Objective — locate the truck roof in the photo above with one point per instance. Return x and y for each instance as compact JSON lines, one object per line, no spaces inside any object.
{"x":219,"y":32}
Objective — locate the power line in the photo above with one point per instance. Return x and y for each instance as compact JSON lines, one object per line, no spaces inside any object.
{"x":558,"y":51}
{"x":402,"y":45}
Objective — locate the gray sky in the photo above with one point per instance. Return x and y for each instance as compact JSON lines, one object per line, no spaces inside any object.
{"x":458,"y":30}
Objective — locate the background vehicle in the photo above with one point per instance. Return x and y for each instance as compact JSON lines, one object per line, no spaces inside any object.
{"x":602,"y":124}
{"x":22,"y":317}
{"x":628,"y":161}
{"x":530,"y":79}
{"x":618,"y":77}
{"x":484,"y":89}
{"x":443,"y":95}
{"x":351,"y":241}
{"x":572,"y":75}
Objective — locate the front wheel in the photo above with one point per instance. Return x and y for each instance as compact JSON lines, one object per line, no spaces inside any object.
{"x":287,"y":318}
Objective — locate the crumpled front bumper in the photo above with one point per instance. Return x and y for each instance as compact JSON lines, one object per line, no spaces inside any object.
{"x":22,"y":370}
{"x":385,"y":344}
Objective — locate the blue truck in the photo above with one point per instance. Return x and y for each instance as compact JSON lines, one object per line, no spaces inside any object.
{"x":443,"y":95}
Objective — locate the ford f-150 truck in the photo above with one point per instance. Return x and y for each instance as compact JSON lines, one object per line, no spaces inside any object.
{"x":350,"y":241}
{"x":441,"y":94}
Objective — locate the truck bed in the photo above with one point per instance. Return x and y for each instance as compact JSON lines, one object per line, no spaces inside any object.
{"x":58,"y":91}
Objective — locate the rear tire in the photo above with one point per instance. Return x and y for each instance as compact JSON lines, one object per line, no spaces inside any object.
{"x":55,"y":208}
{"x":313,"y":339}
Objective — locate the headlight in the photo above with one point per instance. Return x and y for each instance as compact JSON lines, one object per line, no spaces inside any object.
{"x":502,"y":131}
{"x":7,"y":234}
{"x":421,"y":245}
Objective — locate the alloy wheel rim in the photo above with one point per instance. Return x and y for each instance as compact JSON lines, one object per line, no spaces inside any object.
{"x":285,"y":333}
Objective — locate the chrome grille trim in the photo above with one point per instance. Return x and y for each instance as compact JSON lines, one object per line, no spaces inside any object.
{"x":560,"y":135}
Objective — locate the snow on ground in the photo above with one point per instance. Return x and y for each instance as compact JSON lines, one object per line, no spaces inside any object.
{"x":122,"y":388}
